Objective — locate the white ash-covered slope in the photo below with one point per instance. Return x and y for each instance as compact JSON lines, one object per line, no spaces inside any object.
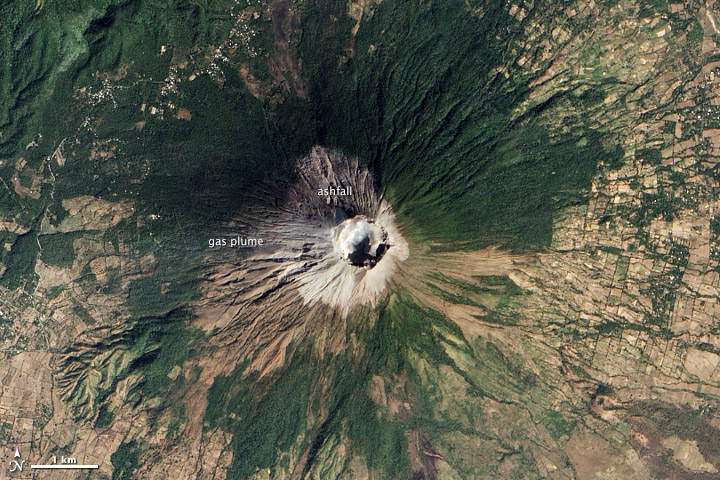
{"x":298,"y":269}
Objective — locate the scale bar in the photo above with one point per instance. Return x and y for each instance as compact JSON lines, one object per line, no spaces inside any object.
{"x":70,"y":465}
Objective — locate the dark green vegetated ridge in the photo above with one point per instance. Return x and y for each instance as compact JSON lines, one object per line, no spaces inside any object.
{"x":267,"y":416}
{"x":292,"y":391}
{"x":57,"y":248}
{"x":421,"y":101}
{"x":125,"y":460}
{"x":20,"y":262}
{"x":172,"y":342}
